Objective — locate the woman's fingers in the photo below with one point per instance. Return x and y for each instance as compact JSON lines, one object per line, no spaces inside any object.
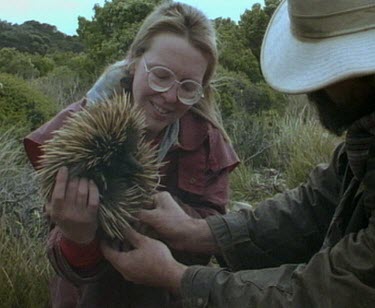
{"x":93,"y":198}
{"x":82,"y":194}
{"x":56,"y":204}
{"x":71,"y":191}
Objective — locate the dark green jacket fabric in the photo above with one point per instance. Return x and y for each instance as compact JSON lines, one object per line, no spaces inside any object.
{"x":313,"y":246}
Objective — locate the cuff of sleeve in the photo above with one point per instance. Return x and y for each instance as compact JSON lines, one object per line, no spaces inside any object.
{"x":64,"y":269}
{"x":81,"y":256}
{"x":230,"y":232}
{"x":196,"y":285}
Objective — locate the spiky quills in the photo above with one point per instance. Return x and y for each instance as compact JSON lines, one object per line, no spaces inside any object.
{"x":105,"y":142}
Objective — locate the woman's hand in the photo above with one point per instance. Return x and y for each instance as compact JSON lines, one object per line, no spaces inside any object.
{"x":73,"y":207}
{"x":178,"y":229}
{"x":149,"y":263}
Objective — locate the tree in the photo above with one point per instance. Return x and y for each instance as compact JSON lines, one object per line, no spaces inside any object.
{"x":36,"y":38}
{"x":234,"y":55}
{"x":17,"y":63}
{"x":253,"y":24}
{"x":109,"y":34}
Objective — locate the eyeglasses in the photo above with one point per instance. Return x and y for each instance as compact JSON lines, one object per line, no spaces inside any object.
{"x":161,"y":79}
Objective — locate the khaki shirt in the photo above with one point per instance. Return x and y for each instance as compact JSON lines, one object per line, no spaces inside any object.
{"x":313,"y":246}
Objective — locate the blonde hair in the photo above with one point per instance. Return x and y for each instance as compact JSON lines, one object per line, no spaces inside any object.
{"x":190,"y":23}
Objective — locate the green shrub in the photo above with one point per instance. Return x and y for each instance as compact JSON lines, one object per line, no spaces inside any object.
{"x":22,"y":106}
{"x":252,"y":136}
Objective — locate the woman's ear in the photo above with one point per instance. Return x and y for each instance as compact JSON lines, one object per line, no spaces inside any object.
{"x":127,"y":83}
{"x":133,"y":63}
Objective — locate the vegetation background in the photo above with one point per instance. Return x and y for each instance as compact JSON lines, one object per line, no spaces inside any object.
{"x":278,"y":138}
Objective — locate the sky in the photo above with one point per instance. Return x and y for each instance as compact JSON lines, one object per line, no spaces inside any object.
{"x":64,"y":13}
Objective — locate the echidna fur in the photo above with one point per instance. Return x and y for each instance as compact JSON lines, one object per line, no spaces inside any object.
{"x":105,"y":142}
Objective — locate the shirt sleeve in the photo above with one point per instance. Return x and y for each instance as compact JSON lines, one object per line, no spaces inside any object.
{"x":33,"y":141}
{"x":342,"y":276}
{"x":288,"y":228}
{"x":81,"y":256}
{"x":77,"y":276}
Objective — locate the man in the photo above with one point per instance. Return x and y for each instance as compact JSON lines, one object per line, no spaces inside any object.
{"x":313,"y":246}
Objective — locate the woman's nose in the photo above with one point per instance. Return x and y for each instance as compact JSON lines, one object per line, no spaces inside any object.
{"x":170,"y":95}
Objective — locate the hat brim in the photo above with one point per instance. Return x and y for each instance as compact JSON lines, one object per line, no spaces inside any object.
{"x":297,"y":66}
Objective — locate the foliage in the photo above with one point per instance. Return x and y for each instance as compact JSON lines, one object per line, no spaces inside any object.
{"x":302,"y":142}
{"x":252,"y":185}
{"x":236,"y":93}
{"x":234,"y":56}
{"x":36,"y":38}
{"x":253,"y":24}
{"x":62,"y":85}
{"x":251,"y":137}
{"x":22,"y":106}
{"x":108,"y":36}
{"x":277,"y":151}
{"x":24,"y":269}
{"x":84,"y":67}
{"x":24,"y":65}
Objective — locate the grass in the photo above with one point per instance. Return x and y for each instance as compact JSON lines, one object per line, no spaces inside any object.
{"x":24,"y":269}
{"x":295,"y":143}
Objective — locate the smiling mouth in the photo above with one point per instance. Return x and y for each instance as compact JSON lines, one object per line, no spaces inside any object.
{"x":160,"y":110}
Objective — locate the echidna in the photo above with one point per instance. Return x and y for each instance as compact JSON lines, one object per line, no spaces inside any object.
{"x":105,"y":142}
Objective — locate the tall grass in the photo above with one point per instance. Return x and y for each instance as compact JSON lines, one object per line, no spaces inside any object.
{"x":301,"y":142}
{"x":24,"y":269}
{"x":278,"y":151}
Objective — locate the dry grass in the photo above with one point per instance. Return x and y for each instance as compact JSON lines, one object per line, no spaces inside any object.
{"x":24,"y":269}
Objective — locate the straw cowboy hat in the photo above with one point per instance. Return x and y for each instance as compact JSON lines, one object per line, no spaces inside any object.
{"x":310,"y":44}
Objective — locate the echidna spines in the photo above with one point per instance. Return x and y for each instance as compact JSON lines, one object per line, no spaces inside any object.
{"x":106,"y":143}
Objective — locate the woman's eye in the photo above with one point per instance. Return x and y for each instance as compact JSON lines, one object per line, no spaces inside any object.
{"x":162,"y":74}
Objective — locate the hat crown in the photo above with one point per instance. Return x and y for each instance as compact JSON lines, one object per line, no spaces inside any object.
{"x":326,"y":7}
{"x":327,"y":18}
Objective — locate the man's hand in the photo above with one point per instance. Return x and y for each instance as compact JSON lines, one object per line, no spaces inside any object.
{"x":149,"y":263}
{"x":178,"y":229}
{"x":73,"y":207}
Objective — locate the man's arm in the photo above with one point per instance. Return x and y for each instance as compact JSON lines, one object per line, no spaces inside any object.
{"x":342,"y":276}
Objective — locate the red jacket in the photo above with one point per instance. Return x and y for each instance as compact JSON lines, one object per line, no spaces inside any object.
{"x":196,"y":173}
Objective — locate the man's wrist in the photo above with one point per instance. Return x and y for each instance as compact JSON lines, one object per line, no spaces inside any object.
{"x":176,"y":278}
{"x":200,"y":238}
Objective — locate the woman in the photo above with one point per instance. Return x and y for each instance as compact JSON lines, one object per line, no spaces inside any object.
{"x":168,"y":71}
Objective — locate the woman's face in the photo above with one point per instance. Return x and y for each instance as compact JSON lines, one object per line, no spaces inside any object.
{"x":179,"y":56}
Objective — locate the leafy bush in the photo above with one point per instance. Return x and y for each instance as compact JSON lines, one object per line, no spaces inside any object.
{"x":22,"y":106}
{"x":251,"y":137}
{"x":236,"y":93}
